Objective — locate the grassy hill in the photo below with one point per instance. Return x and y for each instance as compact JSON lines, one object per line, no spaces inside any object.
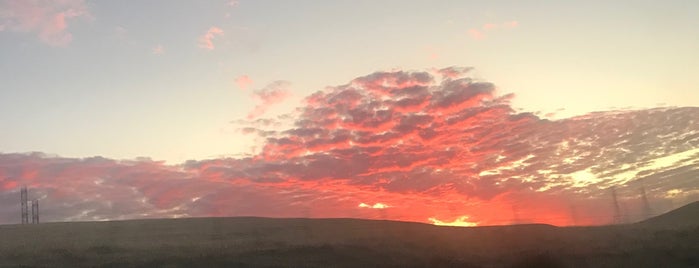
{"x":265,"y":242}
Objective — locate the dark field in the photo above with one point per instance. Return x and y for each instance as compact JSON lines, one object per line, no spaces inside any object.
{"x":671,"y":240}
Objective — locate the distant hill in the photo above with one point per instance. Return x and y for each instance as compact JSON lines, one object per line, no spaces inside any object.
{"x":686,"y":216}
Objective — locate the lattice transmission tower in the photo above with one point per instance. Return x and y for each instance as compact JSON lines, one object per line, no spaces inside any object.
{"x":35,"y":211}
{"x":25,"y":209}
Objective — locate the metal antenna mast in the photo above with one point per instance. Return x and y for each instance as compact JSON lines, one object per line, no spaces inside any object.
{"x":25,"y":209}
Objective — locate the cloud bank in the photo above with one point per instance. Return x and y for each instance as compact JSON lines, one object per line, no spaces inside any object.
{"x":429,"y":146}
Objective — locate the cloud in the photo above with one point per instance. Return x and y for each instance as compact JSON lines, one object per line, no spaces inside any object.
{"x":243,"y":82}
{"x":273,"y":93}
{"x":158,"y":49}
{"x":476,"y":34}
{"x":479,"y":34}
{"x":206,"y":40}
{"x":47,"y":19}
{"x":437,"y":146}
{"x":510,"y":24}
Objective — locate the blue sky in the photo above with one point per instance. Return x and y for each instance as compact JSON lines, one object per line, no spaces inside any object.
{"x":134,"y":80}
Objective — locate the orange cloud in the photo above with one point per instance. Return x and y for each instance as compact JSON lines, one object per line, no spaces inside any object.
{"x":206,"y":40}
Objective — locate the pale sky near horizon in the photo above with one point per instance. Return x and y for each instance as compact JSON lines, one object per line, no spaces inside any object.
{"x":124,"y":79}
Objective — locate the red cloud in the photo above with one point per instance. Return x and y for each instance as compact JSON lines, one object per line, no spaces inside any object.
{"x":206,"y":40}
{"x":459,"y":155}
{"x":47,"y":19}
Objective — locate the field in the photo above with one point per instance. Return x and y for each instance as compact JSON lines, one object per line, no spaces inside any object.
{"x":671,"y":240}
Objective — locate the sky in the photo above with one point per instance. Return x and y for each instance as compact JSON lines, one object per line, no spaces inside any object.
{"x":444,"y":112}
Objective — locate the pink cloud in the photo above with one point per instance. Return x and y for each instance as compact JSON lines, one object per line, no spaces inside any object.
{"x":206,"y":40}
{"x":476,"y":34}
{"x":273,"y":93}
{"x":510,"y":24}
{"x":243,"y":82}
{"x":47,"y":19}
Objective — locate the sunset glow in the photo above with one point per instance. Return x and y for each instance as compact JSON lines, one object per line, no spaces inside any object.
{"x":445,"y":113}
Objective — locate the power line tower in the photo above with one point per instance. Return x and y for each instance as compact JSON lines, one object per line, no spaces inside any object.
{"x":647,"y":212}
{"x":617,"y":210}
{"x":25,"y":209}
{"x":35,"y":211}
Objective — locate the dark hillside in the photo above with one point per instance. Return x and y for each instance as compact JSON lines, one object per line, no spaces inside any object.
{"x":686,"y":216}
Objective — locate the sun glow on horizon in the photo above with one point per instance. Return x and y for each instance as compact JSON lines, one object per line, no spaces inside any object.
{"x":458,"y":222}
{"x":375,"y":206}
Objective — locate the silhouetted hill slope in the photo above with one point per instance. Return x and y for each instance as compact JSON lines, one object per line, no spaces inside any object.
{"x":686,"y":216}
{"x":265,"y":242}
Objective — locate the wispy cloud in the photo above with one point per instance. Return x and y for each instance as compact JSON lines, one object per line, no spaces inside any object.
{"x":243,"y":82}
{"x":272,"y":94}
{"x":476,"y":34}
{"x":206,"y":40}
{"x":158,"y":49}
{"x":480,"y":33}
{"x":47,"y":19}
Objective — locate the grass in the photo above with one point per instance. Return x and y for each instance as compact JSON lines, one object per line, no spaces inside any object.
{"x":262,"y":242}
